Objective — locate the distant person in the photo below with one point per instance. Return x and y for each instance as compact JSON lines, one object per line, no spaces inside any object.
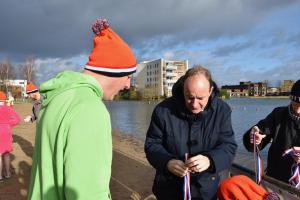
{"x":10,"y":100}
{"x":194,"y":121}
{"x":73,"y":147}
{"x":33,"y":92}
{"x":281,"y":128}
{"x":8,"y":119}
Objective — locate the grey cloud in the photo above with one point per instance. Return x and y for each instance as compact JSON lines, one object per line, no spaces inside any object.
{"x":281,"y":37}
{"x":234,"y":74}
{"x":61,"y":28}
{"x":227,"y":50}
{"x":50,"y":67}
{"x":295,"y":39}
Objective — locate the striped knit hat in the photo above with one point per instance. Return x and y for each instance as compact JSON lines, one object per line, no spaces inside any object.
{"x":31,"y":88}
{"x":241,"y":187}
{"x":110,"y":56}
{"x":2,"y":96}
{"x":295,"y":92}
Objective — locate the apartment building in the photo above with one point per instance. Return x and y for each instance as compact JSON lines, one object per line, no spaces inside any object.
{"x":273,"y":91}
{"x":258,"y":89}
{"x":156,"y":78}
{"x":236,"y":90}
{"x":286,"y":87}
{"x":246,"y":89}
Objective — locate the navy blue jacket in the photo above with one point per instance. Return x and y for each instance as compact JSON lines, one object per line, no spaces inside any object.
{"x":174,"y":131}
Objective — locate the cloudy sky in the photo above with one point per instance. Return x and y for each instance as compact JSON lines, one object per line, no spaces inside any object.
{"x":238,"y":40}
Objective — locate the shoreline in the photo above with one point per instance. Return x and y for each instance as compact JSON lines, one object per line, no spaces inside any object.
{"x":129,"y":146}
{"x":263,"y":97}
{"x":131,"y":177}
{"x":241,"y":97}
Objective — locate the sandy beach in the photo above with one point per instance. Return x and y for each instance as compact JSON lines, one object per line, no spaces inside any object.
{"x":132,"y":176}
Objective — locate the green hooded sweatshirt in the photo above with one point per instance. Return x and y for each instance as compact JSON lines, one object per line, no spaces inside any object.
{"x":73,"y":146}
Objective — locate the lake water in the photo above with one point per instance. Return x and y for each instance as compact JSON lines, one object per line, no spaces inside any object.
{"x":133,"y":117}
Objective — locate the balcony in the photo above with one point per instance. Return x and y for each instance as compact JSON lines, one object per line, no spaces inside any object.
{"x":172,"y":67}
{"x":171,"y":74}
{"x":171,"y":81}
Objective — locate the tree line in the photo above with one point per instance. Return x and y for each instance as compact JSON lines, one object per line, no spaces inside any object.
{"x":24,"y":71}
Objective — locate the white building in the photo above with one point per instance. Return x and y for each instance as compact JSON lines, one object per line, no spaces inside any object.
{"x":156,"y":78}
{"x":16,"y":83}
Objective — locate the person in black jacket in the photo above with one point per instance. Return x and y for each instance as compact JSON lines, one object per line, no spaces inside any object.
{"x":194,"y":121}
{"x":281,"y":128}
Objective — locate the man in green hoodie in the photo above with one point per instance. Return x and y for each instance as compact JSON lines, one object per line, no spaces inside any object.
{"x":73,"y":146}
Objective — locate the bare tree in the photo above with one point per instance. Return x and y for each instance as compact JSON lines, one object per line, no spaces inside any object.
{"x":2,"y":77}
{"x":7,"y":72}
{"x":2,"y":72}
{"x":28,"y":69}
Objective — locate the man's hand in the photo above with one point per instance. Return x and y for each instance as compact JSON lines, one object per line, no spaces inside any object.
{"x":177,"y":167}
{"x":198,"y":163}
{"x":258,"y":137}
{"x":27,"y":119}
{"x":296,"y":158}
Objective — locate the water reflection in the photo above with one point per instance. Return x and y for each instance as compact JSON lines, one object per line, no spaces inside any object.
{"x":133,"y":117}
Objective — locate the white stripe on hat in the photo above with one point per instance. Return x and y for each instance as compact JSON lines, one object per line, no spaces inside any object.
{"x":31,"y":91}
{"x":110,"y":70}
{"x":295,"y":98}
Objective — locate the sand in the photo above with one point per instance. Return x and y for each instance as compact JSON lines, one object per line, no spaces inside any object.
{"x":132,"y":176}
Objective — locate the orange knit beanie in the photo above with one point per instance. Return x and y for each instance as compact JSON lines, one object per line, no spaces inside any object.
{"x":31,"y":88}
{"x":110,"y":56}
{"x":243,"y":188}
{"x":2,"y":96}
